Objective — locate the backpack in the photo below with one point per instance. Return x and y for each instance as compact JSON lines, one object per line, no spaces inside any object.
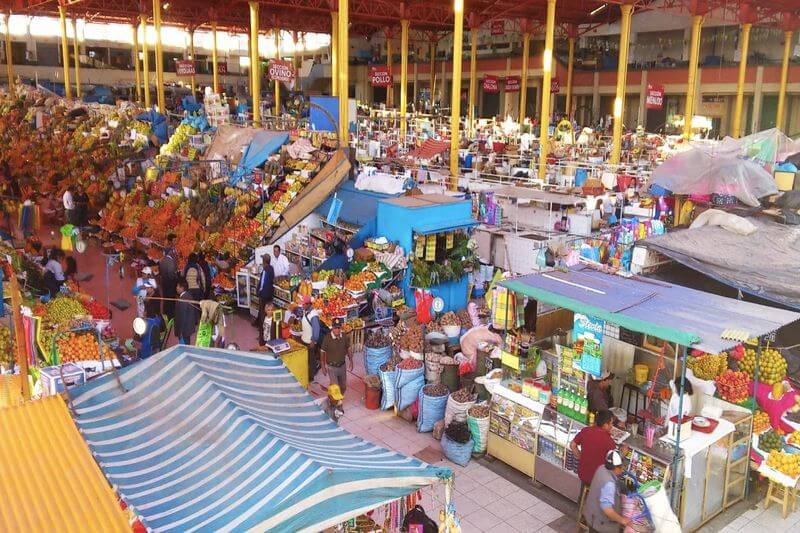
{"x":416,"y":521}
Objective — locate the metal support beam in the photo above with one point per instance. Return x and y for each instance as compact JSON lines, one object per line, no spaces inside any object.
{"x":547,"y":74}
{"x":145,"y":62}
{"x":744,"y":41}
{"x":455,"y":96}
{"x":62,"y":13}
{"x":76,"y":52}
{"x":9,"y":55}
{"x":570,"y":65}
{"x":473,"y":74}
{"x":780,"y":121}
{"x":622,"y":79}
{"x":137,"y":74}
{"x":162,"y":102}
{"x":390,"y":66}
{"x":523,"y":89}
{"x":192,"y":83}
{"x":403,"y":79}
{"x":691,"y":82}
{"x":344,"y":68}
{"x":432,"y":59}
{"x":277,"y":32}
{"x":255,"y":65}
{"x":334,"y":53}
{"x":214,"y":59}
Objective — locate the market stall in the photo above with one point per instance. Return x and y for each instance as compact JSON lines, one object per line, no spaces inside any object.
{"x":639,"y":329}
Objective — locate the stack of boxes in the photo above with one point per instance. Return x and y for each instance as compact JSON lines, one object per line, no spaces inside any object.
{"x":217,"y":112}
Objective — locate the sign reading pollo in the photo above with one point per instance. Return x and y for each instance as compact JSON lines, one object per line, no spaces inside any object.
{"x":655,"y":96}
{"x":281,"y":71}
{"x":513,"y":84}
{"x":380,"y":76}
{"x":491,"y":84}
{"x":184,"y":67}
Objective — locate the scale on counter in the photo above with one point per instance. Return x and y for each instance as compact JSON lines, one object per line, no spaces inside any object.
{"x":278,"y":346}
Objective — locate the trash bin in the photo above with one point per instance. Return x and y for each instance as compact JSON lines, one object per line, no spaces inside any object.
{"x":372,"y":392}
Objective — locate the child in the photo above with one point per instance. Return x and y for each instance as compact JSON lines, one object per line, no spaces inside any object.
{"x":269,"y":330}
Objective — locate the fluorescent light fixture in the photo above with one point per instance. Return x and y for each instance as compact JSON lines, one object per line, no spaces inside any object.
{"x":598,"y":10}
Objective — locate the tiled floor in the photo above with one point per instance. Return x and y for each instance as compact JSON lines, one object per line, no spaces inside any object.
{"x":489,"y":496}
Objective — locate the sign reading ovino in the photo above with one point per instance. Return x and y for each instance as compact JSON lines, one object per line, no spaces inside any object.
{"x":655,"y":96}
{"x":379,"y":76}
{"x":184,"y":67}
{"x":513,"y":84}
{"x":491,"y":84}
{"x":281,"y":71}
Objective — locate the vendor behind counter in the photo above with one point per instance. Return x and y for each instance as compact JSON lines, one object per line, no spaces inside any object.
{"x":599,"y":392}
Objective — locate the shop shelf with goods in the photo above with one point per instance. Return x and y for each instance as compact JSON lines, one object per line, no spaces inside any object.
{"x":406,"y":220}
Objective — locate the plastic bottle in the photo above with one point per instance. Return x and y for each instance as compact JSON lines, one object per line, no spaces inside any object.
{"x":584,"y":407}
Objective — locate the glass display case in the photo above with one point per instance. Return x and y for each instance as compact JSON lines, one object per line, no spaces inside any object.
{"x":556,"y":466}
{"x":513,"y":423}
{"x":243,"y":289}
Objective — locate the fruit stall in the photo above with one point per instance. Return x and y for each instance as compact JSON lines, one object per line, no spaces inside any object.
{"x":653,"y":337}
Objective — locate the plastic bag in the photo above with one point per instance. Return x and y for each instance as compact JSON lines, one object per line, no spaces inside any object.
{"x":424,"y":299}
{"x":387,"y":384}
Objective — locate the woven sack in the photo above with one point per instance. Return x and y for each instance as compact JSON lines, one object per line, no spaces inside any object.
{"x":387,"y":384}
{"x":460,"y":454}
{"x":431,"y":410}
{"x":456,"y":410}
{"x":408,"y":384}
{"x":479,"y":428}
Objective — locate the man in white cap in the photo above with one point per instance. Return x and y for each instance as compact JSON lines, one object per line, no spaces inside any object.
{"x":145,"y":286}
{"x":602,"y":503}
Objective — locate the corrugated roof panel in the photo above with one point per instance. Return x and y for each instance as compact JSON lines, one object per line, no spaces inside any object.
{"x":49,"y":480}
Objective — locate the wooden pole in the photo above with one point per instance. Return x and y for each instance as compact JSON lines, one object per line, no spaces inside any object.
{"x":19,"y":332}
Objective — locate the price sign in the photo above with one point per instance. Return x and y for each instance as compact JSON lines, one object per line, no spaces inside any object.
{"x":430,"y":248}
{"x":450,"y":239}
{"x":380,"y":76}
{"x":419,"y":249}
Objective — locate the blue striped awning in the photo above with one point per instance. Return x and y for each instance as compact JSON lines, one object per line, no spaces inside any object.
{"x":216,"y":440}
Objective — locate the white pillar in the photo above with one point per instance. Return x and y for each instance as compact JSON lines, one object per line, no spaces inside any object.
{"x":596,"y":96}
{"x":641,"y":118}
{"x":757,"y":100}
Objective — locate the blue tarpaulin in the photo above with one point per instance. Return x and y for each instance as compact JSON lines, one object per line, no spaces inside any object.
{"x":214,"y":440}
{"x":671,"y":312}
{"x":263,"y":145}
{"x":189,"y":103}
{"x":158,"y":123}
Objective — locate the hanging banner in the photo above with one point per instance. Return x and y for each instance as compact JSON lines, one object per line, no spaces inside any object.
{"x":491,"y":84}
{"x":184,"y":67}
{"x":655,"y":96}
{"x":281,"y":71}
{"x":555,"y":86}
{"x":498,"y":27}
{"x":222,"y":68}
{"x":513,"y":84}
{"x":380,"y":76}
{"x":588,"y":346}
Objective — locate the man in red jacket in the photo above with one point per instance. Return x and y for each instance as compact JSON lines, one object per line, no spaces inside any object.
{"x":595,"y":442}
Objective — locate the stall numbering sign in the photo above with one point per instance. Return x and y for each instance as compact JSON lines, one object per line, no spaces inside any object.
{"x":380,"y":76}
{"x":513,"y":84}
{"x":491,"y":84}
{"x":184,"y":67}
{"x":281,"y":71}
{"x":655,"y":96}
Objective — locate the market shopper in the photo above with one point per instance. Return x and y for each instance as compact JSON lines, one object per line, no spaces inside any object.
{"x":187,"y":314}
{"x":602,"y":508}
{"x":81,"y":206}
{"x":335,"y":351}
{"x":150,"y":338}
{"x":266,"y":288}
{"x":279,"y":262}
{"x":310,"y":332}
{"x":168,"y":276}
{"x":591,"y":445}
{"x":195,"y":279}
{"x":145,"y":287}
{"x":599,"y":391}
{"x":68,"y":200}
{"x":207,"y":274}
{"x":54,"y":271}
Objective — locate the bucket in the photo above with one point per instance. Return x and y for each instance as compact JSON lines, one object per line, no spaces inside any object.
{"x":640,"y":373}
{"x":372,"y":398}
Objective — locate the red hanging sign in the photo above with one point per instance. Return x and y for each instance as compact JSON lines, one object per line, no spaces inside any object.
{"x":491,"y":84}
{"x":498,"y":27}
{"x":655,"y":96}
{"x":222,"y":68}
{"x":184,"y":67}
{"x":513,"y":84}
{"x":281,"y":71}
{"x":380,"y":76}
{"x":555,"y":86}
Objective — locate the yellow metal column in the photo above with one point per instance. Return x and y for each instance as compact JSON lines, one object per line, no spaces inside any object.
{"x":162,"y":103}
{"x":432,"y":84}
{"x":334,"y":53}
{"x":691,"y":82}
{"x":523,"y":89}
{"x":473,"y":73}
{"x":145,"y":63}
{"x":787,"y":51}
{"x":343,"y":40}
{"x":547,"y":73}
{"x":403,"y":79}
{"x":255,"y":66}
{"x":737,"y":111}
{"x":277,"y":83}
{"x":622,"y":78}
{"x":136,"y":69}
{"x":62,"y":12}
{"x":9,"y":55}
{"x":214,"y":60}
{"x":570,"y":64}
{"x":77,"y":59}
{"x":455,"y":97}
{"x":389,"y":54}
{"x":191,"y":53}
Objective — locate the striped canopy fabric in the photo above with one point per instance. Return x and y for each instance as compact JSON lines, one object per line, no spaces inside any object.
{"x":216,"y":440}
